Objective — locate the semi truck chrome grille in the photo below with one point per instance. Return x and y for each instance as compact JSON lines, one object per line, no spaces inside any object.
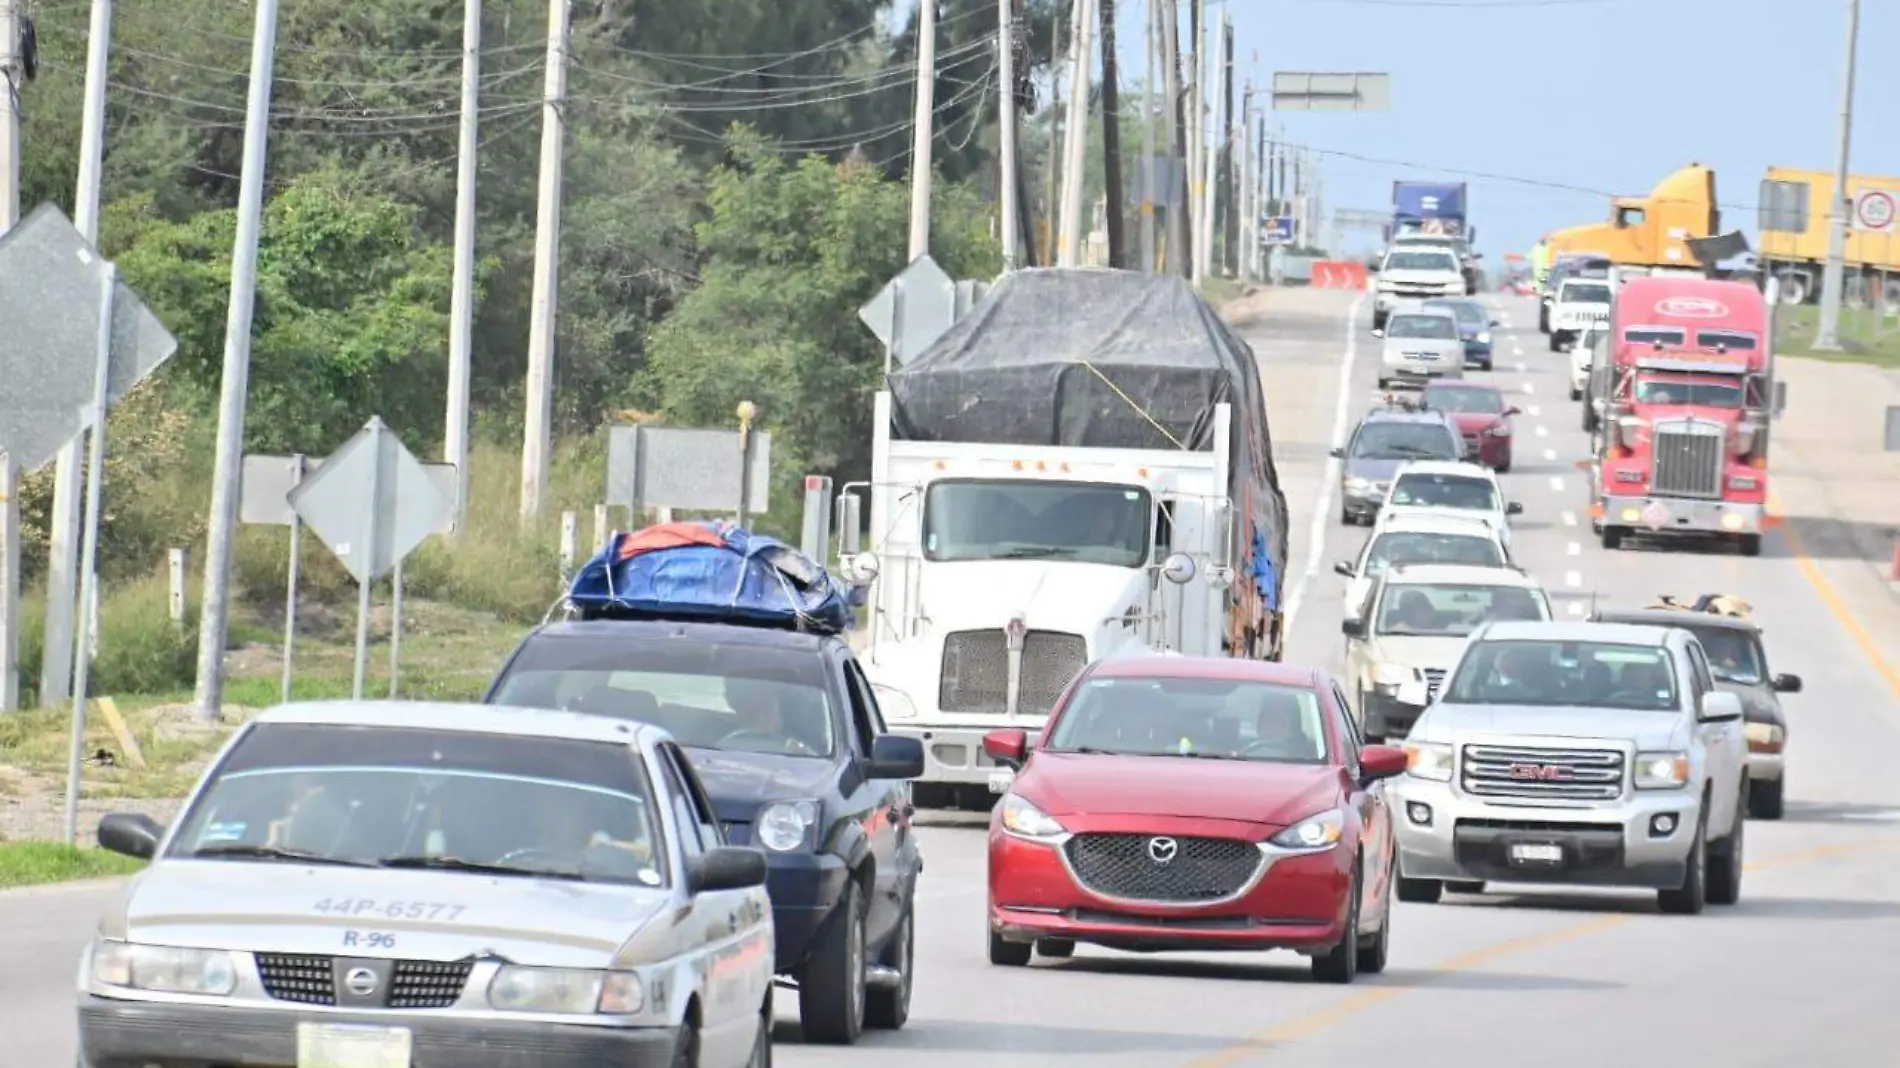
{"x":976,"y":670}
{"x":1541,"y":774}
{"x":1162,"y":868}
{"x":1687,"y":460}
{"x":311,"y":979}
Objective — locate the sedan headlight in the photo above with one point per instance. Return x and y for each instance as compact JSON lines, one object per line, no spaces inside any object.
{"x":1428,"y":760}
{"x":786,"y":825}
{"x":1484,"y":337}
{"x":164,"y":969}
{"x":1661,"y":771}
{"x":1314,"y":834}
{"x":1025,"y":820}
{"x":573,"y":991}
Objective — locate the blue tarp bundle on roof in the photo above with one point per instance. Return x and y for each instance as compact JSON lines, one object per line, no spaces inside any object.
{"x":713,"y":572}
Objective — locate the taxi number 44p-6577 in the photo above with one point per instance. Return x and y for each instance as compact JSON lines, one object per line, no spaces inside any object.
{"x":393,"y":910}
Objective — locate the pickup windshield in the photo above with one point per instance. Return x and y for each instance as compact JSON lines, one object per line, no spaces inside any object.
{"x":967,"y":519}
{"x":1444,"y":491}
{"x":1584,"y":293}
{"x":1440,"y":610}
{"x":1422,"y":260}
{"x":1218,"y":719}
{"x":1426,"y":327}
{"x":1565,"y":674}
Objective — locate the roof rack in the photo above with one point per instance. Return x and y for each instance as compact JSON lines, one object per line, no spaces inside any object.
{"x":1718,"y":604}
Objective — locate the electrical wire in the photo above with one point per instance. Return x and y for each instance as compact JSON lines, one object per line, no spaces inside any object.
{"x":855,"y":85}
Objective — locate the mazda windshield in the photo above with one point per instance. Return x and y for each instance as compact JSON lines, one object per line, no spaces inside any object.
{"x":1218,"y":719}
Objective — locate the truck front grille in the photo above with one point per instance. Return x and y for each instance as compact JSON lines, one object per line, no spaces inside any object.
{"x":311,"y":979}
{"x":1540,"y":774}
{"x":1687,"y":459}
{"x":1146,"y":867}
{"x":976,"y":670}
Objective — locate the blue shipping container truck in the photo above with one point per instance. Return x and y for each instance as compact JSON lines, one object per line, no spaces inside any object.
{"x":1430,"y":207}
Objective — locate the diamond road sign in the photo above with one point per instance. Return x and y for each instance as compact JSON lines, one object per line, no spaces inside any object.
{"x":49,"y":301}
{"x":913,"y":309}
{"x":369,"y":533}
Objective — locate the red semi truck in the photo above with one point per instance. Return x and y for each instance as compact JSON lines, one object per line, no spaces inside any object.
{"x":1690,"y":390}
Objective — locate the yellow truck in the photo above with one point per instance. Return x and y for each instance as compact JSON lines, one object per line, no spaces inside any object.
{"x":1652,"y":231}
{"x":1794,"y":227}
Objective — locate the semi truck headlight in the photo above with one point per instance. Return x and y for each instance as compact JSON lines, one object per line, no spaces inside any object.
{"x":1428,"y":760}
{"x":1661,"y":771}
{"x":164,"y":969}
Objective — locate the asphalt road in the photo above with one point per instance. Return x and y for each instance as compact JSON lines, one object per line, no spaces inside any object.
{"x":1801,"y":972}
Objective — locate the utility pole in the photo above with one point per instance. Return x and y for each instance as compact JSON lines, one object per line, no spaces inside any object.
{"x":1196,"y":135}
{"x":1006,"y":133}
{"x":539,"y":440}
{"x":1076,"y":143}
{"x":1053,"y":192}
{"x":1112,"y":140}
{"x":462,"y":295}
{"x":1833,"y":275}
{"x":922,"y":132}
{"x":1170,"y":13}
{"x":1249,"y":216}
{"x":10,"y":78}
{"x":215,"y":613}
{"x":1148,"y":142}
{"x":1230,"y":215}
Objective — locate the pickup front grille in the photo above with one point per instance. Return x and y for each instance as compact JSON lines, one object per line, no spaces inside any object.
{"x":1434,"y":681}
{"x":1687,"y":459}
{"x":311,"y":979}
{"x":976,"y":670}
{"x":1541,"y":774}
{"x":1162,"y":868}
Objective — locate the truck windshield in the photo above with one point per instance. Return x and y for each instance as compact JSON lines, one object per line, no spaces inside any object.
{"x":1217,"y":719}
{"x":1565,"y":674}
{"x":1027,"y":520}
{"x":1421,"y":260}
{"x":1434,"y":610}
{"x":1653,"y":335}
{"x":1728,"y":339}
{"x":1413,"y":547}
{"x":1585,"y":293}
{"x":1404,"y":441}
{"x":1702,"y":392}
{"x":1428,"y":327}
{"x":1444,"y":491}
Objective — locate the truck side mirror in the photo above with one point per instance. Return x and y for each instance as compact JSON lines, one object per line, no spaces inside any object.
{"x":1344,"y":567}
{"x":1781,"y":399}
{"x":850,"y":508}
{"x":1337,"y":453}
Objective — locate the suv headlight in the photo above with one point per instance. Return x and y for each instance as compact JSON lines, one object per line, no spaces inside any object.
{"x":1662,"y":771}
{"x":1314,"y":834}
{"x":1025,"y":820}
{"x":164,"y":969}
{"x":573,"y":991}
{"x":1428,"y":760}
{"x":783,"y":826}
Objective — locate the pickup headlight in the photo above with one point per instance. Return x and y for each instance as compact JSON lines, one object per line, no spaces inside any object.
{"x":1428,"y":760}
{"x":783,"y":826}
{"x":164,"y":969}
{"x":1314,"y":834}
{"x":1025,"y":820}
{"x":1661,"y":771}
{"x":574,"y":991}
{"x":1387,"y":677}
{"x":1356,"y":484}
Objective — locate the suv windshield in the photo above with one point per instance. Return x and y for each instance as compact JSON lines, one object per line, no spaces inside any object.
{"x":1711,"y":394}
{"x":1404,"y":441}
{"x":1551,"y":673}
{"x":1419,"y":609}
{"x":1474,"y":399}
{"x":403,"y":797}
{"x":743,"y":697}
{"x":1423,"y":259}
{"x":1444,"y":491}
{"x":1432,"y":327}
{"x":1584,"y":293}
{"x":1222,"y":719}
{"x":1021,"y":519}
{"x":1407,"y":547}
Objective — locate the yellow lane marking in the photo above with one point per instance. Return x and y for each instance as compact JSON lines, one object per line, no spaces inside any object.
{"x":1839,"y":610}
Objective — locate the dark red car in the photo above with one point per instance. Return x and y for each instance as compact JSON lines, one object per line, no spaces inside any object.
{"x":1482,"y":415}
{"x":1189,"y":803}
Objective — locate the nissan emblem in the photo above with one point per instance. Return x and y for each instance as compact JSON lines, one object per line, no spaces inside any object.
{"x":360,"y":982}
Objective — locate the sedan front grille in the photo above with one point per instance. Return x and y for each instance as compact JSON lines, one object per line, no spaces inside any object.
{"x":976,"y":670}
{"x":1688,"y":459}
{"x":1505,"y":771}
{"x":310,"y":979}
{"x":1160,"y":868}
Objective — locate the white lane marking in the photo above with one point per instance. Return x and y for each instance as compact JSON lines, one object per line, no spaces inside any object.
{"x":1550,"y":454}
{"x":1557,"y":482}
{"x":1533,"y":411}
{"x":1576,"y":609}
{"x":1520,"y":364}
{"x":1573,"y":549}
{"x":1529,"y":388}
{"x":1542,"y":431}
{"x":1570,"y":519}
{"x":1322,"y":509}
{"x":1573,"y":579}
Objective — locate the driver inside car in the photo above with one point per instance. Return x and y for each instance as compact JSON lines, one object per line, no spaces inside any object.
{"x":768,"y":710}
{"x":1279,"y":731}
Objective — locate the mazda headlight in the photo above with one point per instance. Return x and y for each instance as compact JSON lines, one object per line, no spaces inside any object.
{"x":1661,"y":771}
{"x":1428,"y":760}
{"x":573,"y":991}
{"x":785,"y":825}
{"x":1314,"y":834}
{"x":1025,"y":820}
{"x":164,"y":969}
{"x":895,"y":704}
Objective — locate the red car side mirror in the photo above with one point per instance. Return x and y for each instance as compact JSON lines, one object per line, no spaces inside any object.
{"x":1380,"y":762}
{"x":1010,"y":747}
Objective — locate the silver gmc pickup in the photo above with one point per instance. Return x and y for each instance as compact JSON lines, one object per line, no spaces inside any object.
{"x":1576,"y":754}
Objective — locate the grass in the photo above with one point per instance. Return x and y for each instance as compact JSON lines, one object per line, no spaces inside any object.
{"x":31,"y":863}
{"x":1866,"y":336}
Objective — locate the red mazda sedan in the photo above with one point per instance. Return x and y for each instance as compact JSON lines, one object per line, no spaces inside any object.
{"x":1189,"y":803}
{"x":1482,"y":416}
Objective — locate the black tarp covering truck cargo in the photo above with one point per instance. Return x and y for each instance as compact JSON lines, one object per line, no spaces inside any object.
{"x":1109,"y":359}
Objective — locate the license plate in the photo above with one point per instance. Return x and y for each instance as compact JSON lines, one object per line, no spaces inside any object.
{"x":1000,"y":781}
{"x":1534,"y":853}
{"x":343,"y":1046}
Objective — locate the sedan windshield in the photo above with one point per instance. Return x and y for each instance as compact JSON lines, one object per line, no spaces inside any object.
{"x":410,"y":798}
{"x":1471,"y":399}
{"x":1469,"y":313}
{"x":1221,"y":719}
{"x":1551,"y":673}
{"x":1404,"y":441}
{"x":1024,"y":519}
{"x":744,"y":697}
{"x":1421,"y":260}
{"x":1453,"y":610}
{"x":1408,"y":547}
{"x":1444,"y":491}
{"x":1430,"y":327}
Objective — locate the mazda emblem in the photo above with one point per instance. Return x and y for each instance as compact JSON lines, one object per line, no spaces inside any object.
{"x":1162,"y":850}
{"x":360,"y":982}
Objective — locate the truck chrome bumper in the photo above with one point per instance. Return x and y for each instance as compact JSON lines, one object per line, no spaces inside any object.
{"x":1682,"y":513}
{"x":1444,"y":834}
{"x":954,"y":754}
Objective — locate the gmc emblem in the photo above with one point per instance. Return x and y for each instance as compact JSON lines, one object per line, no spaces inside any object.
{"x":1540,"y":772}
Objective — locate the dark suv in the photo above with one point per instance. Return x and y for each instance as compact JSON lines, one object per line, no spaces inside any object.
{"x":786,"y":736}
{"x":1384,"y":440}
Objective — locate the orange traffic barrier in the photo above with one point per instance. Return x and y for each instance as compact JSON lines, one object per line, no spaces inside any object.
{"x":1338,"y":274}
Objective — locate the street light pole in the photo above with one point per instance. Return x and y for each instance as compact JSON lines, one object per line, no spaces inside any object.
{"x":1833,"y":275}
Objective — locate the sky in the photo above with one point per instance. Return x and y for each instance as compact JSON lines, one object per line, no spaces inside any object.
{"x":1606,"y":95}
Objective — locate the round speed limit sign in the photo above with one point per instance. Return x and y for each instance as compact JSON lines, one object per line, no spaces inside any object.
{"x":1874,"y":210}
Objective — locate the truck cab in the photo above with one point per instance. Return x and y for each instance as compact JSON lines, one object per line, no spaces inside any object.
{"x":1652,"y":231}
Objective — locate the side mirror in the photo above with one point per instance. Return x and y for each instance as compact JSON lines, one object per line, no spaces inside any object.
{"x":726,"y":868}
{"x":130,"y":834}
{"x":1008,"y":747}
{"x":864,"y":567}
{"x":1352,"y":628}
{"x":1378,"y":762}
{"x":1494,"y":322}
{"x":1344,"y":567}
{"x":894,"y":756}
{"x":1178,"y":568}
{"x":1514,"y":508}
{"x":1787,"y":684}
{"x":1378,"y":333}
{"x":1338,"y":453}
{"x":1720,"y":708}
{"x":1513,"y":410}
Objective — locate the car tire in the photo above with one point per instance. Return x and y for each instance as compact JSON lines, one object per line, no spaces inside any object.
{"x":1420,"y":891}
{"x":1690,"y":898}
{"x":1728,"y":858}
{"x":1576,"y":395}
{"x":1006,"y":954}
{"x":831,"y":989}
{"x":1376,"y":948}
{"x":1612,"y":538}
{"x":762,"y":1045}
{"x":1055,"y":948}
{"x":888,"y":1010}
{"x":1749,"y":544}
{"x":686,"y":1047}
{"x":1504,"y":468}
{"x":1457,"y":886}
{"x":1765,"y":798}
{"x":1340,"y":965}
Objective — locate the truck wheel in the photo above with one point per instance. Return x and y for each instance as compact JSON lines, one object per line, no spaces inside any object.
{"x":1009,"y":954}
{"x":1612,"y":538}
{"x":1765,"y":799}
{"x":1420,"y":891}
{"x":1749,"y":544}
{"x":1726,"y":859}
{"x":1589,"y":417}
{"x":1688,"y":899}
{"x":831,"y":992}
{"x":888,"y":1008}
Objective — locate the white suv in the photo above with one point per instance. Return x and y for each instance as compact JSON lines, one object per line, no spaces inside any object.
{"x":1438,"y":487}
{"x":1422,"y":538}
{"x":1412,"y":272}
{"x":1581,"y":304}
